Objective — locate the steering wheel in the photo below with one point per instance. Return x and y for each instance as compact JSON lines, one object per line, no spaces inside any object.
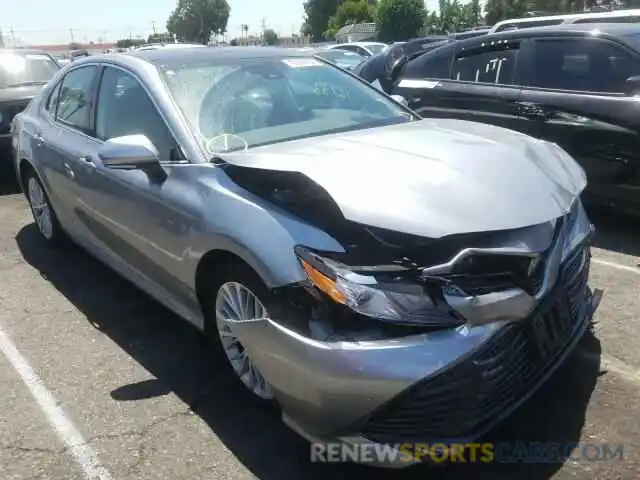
{"x":231,"y":115}
{"x":224,"y":140}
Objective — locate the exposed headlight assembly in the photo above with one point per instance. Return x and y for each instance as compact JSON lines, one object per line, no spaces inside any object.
{"x":392,"y":299}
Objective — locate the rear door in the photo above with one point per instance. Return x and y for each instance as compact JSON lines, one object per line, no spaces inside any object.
{"x":63,"y":136}
{"x":573,"y":94}
{"x":475,"y":83}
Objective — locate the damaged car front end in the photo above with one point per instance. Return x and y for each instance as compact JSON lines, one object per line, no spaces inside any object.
{"x":404,"y":337}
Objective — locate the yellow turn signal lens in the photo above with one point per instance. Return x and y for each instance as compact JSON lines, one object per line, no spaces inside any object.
{"x":324,"y":283}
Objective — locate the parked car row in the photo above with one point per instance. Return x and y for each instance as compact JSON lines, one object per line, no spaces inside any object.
{"x":367,"y":270}
{"x":572,"y":84}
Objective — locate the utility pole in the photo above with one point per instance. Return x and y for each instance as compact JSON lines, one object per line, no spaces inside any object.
{"x":13,"y":37}
{"x":71,"y":35}
{"x":153,"y":25}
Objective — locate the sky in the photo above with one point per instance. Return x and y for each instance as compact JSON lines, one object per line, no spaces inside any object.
{"x":63,"y":21}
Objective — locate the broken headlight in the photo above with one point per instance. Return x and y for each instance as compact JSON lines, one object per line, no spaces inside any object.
{"x":579,"y":229}
{"x":383,"y":293}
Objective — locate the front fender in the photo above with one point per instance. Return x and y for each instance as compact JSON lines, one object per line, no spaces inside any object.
{"x":261,"y":234}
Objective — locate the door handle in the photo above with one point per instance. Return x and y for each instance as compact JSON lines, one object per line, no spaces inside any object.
{"x":39,"y":139}
{"x":86,"y":159}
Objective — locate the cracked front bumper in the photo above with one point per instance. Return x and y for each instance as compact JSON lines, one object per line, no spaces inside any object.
{"x":447,"y":386}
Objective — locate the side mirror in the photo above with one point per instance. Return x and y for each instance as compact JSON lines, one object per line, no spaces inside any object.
{"x":131,"y":152}
{"x":396,"y":69}
{"x":632,"y":86}
{"x":400,"y":99}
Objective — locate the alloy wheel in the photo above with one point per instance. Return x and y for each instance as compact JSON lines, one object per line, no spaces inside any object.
{"x":236,"y":302}
{"x":40,"y":207}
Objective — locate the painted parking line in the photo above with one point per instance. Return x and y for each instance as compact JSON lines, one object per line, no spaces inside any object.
{"x":606,"y":263}
{"x":80,"y":450}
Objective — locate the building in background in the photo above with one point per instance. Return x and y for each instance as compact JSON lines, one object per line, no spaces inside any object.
{"x":357,"y":32}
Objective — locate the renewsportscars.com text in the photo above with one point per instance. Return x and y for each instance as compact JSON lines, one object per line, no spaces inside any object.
{"x":533,"y":452}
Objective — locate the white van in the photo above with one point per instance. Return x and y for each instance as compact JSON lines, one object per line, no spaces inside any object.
{"x":615,"y":16}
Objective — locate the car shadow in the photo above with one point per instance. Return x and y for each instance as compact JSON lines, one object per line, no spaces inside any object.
{"x":8,"y":186}
{"x":179,"y":358}
{"x":615,"y":231}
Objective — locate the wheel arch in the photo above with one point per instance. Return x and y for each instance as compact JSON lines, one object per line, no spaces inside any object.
{"x":215,"y":262}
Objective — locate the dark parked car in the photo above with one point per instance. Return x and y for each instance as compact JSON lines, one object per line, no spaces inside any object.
{"x":576,"y":85}
{"x":22,"y":75}
{"x":378,"y":67}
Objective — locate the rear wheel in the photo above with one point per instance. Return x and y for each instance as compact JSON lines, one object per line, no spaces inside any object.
{"x":43,"y":214}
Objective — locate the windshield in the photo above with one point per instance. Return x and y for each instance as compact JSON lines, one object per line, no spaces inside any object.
{"x":239,"y":104}
{"x":25,"y":68}
{"x":344,"y":59}
{"x":375,"y":48}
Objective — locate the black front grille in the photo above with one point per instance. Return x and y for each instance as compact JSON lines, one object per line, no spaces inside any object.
{"x":8,"y":111}
{"x":464,"y":401}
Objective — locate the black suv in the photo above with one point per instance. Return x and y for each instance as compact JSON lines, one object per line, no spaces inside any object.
{"x":577,"y":85}
{"x":23,"y":73}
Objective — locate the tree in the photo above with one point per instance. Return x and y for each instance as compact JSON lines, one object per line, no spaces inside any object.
{"x":350,"y":11}
{"x":129,"y":42}
{"x":196,"y":20}
{"x":497,"y":10}
{"x":400,"y":19}
{"x":160,"y":38}
{"x":317,"y":15}
{"x":270,"y":37}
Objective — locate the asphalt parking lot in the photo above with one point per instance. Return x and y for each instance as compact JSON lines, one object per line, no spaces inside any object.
{"x":128,"y":391}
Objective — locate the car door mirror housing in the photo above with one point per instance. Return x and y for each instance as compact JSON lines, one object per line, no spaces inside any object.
{"x":131,"y":152}
{"x":396,"y":60}
{"x":632,"y":86}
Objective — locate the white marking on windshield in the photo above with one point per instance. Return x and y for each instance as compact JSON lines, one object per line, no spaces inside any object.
{"x":414,"y":83}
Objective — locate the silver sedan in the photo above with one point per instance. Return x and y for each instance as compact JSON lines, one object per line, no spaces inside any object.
{"x":381,"y":277}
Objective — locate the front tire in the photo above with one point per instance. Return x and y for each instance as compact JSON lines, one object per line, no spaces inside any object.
{"x":44,"y":216}
{"x":239,"y":294}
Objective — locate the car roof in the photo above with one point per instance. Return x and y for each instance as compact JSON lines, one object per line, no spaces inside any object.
{"x":569,"y":16}
{"x":198,"y":54}
{"x":619,"y":30}
{"x":360,"y":44}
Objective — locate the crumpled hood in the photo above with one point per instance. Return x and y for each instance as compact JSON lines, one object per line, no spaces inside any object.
{"x":433,"y":177}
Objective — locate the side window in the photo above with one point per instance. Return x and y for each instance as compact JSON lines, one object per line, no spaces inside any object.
{"x":124,"y":108}
{"x":74,"y":104}
{"x":586,"y":65}
{"x":431,"y":65}
{"x":495,"y":64}
{"x":52,"y":101}
{"x":362,"y":51}
{"x":349,"y":48}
